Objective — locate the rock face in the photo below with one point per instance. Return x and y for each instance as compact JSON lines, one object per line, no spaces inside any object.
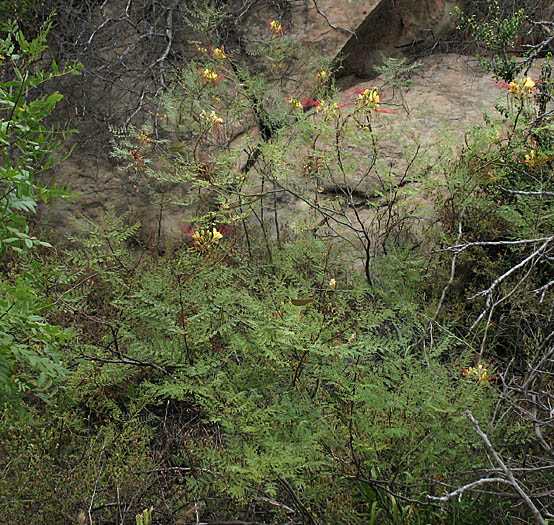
{"x":445,"y":91}
{"x":426,"y":121}
{"x":448,"y":94}
{"x":392,"y":28}
{"x":359,"y":32}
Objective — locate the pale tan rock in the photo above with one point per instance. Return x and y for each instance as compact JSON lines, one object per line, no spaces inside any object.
{"x":359,"y":31}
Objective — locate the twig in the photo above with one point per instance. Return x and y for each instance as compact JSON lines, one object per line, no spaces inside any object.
{"x":330,"y":24}
{"x":458,"y":492}
{"x":452,"y":271}
{"x":498,"y":280}
{"x":518,"y":192}
{"x":465,"y":246}
{"x":179,"y":469}
{"x":93,"y":495}
{"x":301,"y":507}
{"x":276,"y":504}
{"x":128,"y":361}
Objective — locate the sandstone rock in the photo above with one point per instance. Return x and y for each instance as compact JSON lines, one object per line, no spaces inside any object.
{"x":448,"y":93}
{"x":447,"y":96}
{"x":360,"y":31}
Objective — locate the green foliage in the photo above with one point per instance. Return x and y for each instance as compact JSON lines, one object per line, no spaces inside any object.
{"x":500,"y":192}
{"x":23,"y":11}
{"x":273,"y":382}
{"x":396,"y":73}
{"x":273,"y":378}
{"x":28,"y":342}
{"x":499,"y":35}
{"x":145,"y":518}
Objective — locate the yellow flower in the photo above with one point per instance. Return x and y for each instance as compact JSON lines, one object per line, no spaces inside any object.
{"x":328,"y":110}
{"x":521,"y":87}
{"x":215,"y":119}
{"x":219,"y":52}
{"x":332,"y":284}
{"x":322,"y":75}
{"x":210,"y":75}
{"x":295,"y":103}
{"x":275,"y":27}
{"x":216,"y":235}
{"x":368,"y":98}
{"x":531,"y":158}
{"x":479,"y":373}
{"x":513,"y":87}
{"x":528,"y":84}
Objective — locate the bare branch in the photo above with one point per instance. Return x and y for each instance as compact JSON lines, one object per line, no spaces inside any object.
{"x":458,"y":492}
{"x":535,"y":193}
{"x":507,"y":472}
{"x":465,"y":246}
{"x":330,"y":24}
{"x":452,"y":270}
{"x":498,"y":280}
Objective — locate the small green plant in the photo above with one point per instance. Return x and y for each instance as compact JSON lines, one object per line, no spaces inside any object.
{"x":396,"y":72}
{"x":145,"y":517}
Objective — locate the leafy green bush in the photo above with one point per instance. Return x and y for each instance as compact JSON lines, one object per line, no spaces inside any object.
{"x":28,"y":343}
{"x":251,"y":373}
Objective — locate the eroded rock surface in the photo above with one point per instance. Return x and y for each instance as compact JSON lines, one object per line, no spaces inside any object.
{"x":448,"y":92}
{"x":360,"y":32}
{"x":427,"y":125}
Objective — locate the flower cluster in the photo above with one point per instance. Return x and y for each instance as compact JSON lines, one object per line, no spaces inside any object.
{"x":275,"y":27}
{"x":531,"y":158}
{"x":520,"y":87}
{"x":219,"y":52}
{"x":212,"y":117}
{"x":295,"y":103}
{"x":204,"y":240}
{"x":328,"y":110}
{"x":534,"y":159}
{"x":368,"y":98}
{"x":216,"y":52}
{"x":322,"y":76}
{"x":210,"y":76}
{"x":478,"y":373}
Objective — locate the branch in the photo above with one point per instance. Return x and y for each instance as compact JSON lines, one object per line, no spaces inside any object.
{"x":465,"y":246}
{"x":516,"y":192}
{"x":461,"y":490}
{"x":452,"y":271}
{"x":287,"y":509}
{"x":177,"y":469}
{"x":343,"y":29}
{"x":497,"y":281}
{"x":510,"y":271}
{"x":507,"y":472}
{"x":169,"y":34}
{"x":129,"y":361}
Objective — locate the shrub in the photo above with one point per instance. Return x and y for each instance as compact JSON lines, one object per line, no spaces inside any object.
{"x":28,"y":343}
